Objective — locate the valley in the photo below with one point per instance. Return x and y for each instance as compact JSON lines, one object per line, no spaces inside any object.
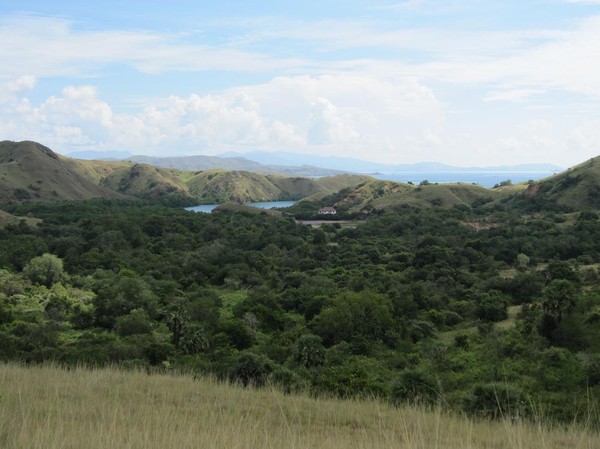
{"x":454,"y":298}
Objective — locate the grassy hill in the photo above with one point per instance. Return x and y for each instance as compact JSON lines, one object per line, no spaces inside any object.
{"x":145,"y":181}
{"x":441,"y":195}
{"x":32,"y":172}
{"x":389,"y":195}
{"x":53,"y":408}
{"x":239,"y":186}
{"x":577,"y":188}
{"x":7,"y":219}
{"x":361,"y":198}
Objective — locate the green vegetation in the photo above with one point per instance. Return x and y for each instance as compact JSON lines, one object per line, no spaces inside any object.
{"x":53,"y":408}
{"x":483,"y":301}
{"x":577,"y":188}
{"x":428,"y":305}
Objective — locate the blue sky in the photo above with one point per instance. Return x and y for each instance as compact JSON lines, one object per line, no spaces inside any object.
{"x":462,"y":82}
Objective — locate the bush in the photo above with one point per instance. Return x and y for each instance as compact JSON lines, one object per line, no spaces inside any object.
{"x":414,"y":387}
{"x":494,"y":401}
{"x":251,"y":369}
{"x":286,"y":379}
{"x":493,"y":307}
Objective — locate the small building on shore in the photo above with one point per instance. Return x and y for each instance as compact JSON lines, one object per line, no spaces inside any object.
{"x":327,"y":211}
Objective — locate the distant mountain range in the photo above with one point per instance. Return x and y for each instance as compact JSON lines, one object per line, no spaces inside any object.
{"x":100,"y":155}
{"x":361,"y":166}
{"x":298,"y":164}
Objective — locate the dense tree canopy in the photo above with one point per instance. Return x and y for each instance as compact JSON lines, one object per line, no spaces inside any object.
{"x":422,"y":305}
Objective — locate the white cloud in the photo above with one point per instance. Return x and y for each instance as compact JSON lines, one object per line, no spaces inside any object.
{"x":11,"y":90}
{"x":517,"y":95}
{"x":377,"y":107}
{"x":585,"y":139}
{"x":48,"y":46}
{"x":326,"y":115}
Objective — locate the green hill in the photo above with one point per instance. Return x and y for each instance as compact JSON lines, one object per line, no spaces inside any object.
{"x":577,"y":188}
{"x":389,"y":195}
{"x":32,"y":172}
{"x":441,"y":195}
{"x":145,"y":181}
{"x":362,"y":198}
{"x":239,"y":186}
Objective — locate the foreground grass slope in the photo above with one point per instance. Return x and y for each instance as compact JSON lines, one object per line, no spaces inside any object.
{"x":48,"y":407}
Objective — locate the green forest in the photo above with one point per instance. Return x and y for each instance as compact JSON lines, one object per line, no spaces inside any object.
{"x":493,"y":310}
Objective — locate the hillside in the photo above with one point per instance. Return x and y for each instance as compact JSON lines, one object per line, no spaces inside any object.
{"x":442,"y":195}
{"x":388,"y":195}
{"x":7,"y":219}
{"x":32,"y":172}
{"x":52,"y":408}
{"x":361,"y":198}
{"x":145,"y":181}
{"x":577,"y":188}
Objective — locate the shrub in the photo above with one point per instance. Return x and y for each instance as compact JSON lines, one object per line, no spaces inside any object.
{"x":494,"y":401}
{"x":414,"y":387}
{"x":251,"y":369}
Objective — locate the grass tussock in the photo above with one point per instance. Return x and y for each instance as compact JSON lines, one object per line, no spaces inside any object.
{"x":49,"y":407}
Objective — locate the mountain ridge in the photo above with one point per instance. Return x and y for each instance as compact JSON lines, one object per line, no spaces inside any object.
{"x":362,"y":166}
{"x":30,"y":171}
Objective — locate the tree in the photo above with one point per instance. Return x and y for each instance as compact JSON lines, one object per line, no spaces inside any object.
{"x":558,"y":301}
{"x":522,"y":261}
{"x":309,"y":351}
{"x":46,"y":269}
{"x":492,"y":307}
{"x":136,"y":322}
{"x":355,"y":315}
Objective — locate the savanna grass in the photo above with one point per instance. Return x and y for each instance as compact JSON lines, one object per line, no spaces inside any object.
{"x":54,"y":408}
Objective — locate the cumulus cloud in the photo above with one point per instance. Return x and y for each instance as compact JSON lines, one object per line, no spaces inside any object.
{"x":325,"y":115}
{"x":585,"y":139}
{"x":386,"y":107}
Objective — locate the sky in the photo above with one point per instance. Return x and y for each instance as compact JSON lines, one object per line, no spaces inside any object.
{"x":463,"y":82}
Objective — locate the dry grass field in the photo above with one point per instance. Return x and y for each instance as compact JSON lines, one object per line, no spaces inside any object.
{"x":52,"y":408}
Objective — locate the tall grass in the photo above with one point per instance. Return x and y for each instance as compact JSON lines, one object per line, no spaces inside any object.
{"x":53,"y":408}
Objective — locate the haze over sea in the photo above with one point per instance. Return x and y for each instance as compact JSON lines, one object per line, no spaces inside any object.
{"x":485,"y":179}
